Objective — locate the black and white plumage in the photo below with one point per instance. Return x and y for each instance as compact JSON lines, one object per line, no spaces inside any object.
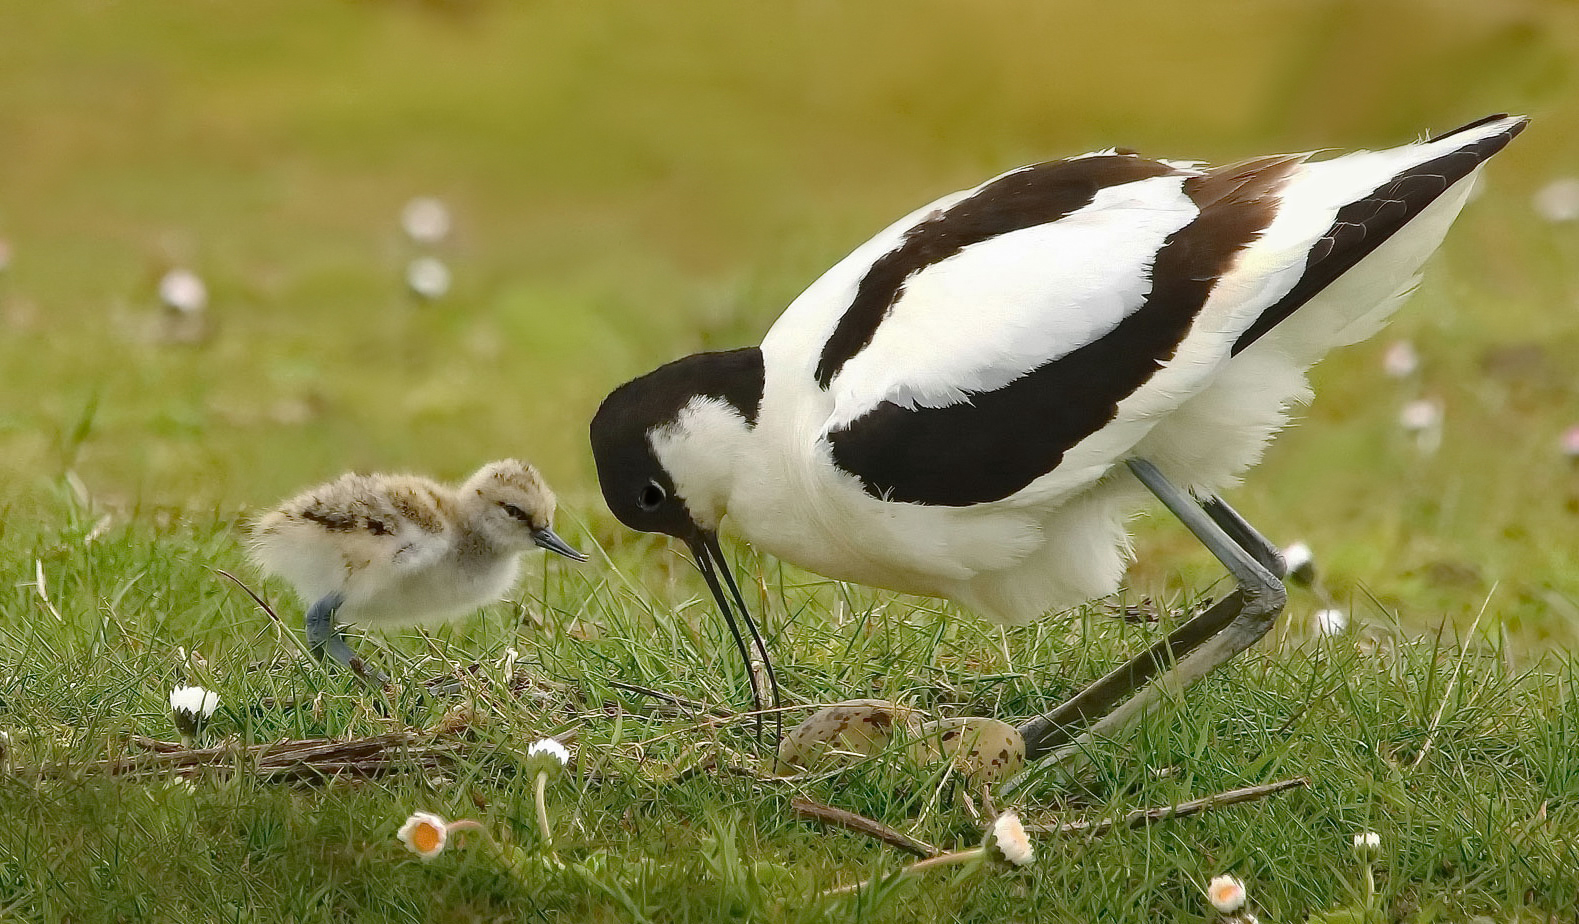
{"x":954,"y":409}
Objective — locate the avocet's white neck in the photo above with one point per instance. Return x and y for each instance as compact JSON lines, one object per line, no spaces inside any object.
{"x":702,"y":450}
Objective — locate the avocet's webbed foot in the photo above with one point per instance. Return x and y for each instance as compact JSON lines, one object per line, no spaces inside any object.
{"x":1193,"y":650}
{"x":324,"y":640}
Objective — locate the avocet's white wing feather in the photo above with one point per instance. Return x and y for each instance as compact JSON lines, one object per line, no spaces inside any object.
{"x":988,"y":314}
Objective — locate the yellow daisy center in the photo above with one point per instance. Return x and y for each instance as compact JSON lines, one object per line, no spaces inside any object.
{"x":425,"y":837}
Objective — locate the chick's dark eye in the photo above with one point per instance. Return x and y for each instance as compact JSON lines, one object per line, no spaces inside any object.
{"x":514,"y":511}
{"x":651,"y":496}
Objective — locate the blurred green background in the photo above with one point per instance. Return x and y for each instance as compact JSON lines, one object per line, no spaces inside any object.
{"x":635,"y":181}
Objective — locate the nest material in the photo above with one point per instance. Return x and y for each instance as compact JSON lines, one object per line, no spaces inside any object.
{"x":309,"y":759}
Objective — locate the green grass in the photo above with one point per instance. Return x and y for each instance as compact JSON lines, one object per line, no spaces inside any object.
{"x":1466,"y":765}
{"x":633,"y":182}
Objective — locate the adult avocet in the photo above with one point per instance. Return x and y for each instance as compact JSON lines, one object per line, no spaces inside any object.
{"x":972,"y":403}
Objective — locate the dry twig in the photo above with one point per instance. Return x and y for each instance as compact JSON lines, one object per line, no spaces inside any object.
{"x":860,"y":824}
{"x":687,"y":704}
{"x":1142,"y":817}
{"x":303,"y":759}
{"x":256,"y":597}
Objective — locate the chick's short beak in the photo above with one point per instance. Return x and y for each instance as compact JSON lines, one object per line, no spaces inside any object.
{"x":545,"y":538}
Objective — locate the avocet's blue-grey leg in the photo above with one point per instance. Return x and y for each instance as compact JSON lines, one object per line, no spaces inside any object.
{"x":324,"y":640}
{"x":1247,"y":537}
{"x":1253,"y":577}
{"x":1230,"y":626}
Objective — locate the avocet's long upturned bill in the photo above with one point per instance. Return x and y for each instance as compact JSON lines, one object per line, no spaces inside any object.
{"x":972,"y":403}
{"x":397,"y":549}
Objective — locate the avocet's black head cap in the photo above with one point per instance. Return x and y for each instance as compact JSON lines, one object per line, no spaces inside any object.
{"x":643,"y":495}
{"x":634,"y":483}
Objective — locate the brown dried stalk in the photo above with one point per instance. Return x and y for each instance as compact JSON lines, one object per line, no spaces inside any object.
{"x":672,"y":700}
{"x":1142,"y":817}
{"x":256,"y":597}
{"x":303,"y":759}
{"x":860,"y":824}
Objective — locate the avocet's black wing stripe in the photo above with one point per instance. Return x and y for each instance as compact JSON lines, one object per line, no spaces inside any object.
{"x":1471,"y":126}
{"x":1362,"y":225}
{"x":995,"y":443}
{"x":1021,"y":199}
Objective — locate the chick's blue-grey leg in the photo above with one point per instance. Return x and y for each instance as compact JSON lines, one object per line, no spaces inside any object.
{"x":324,"y":640}
{"x":1228,"y":627}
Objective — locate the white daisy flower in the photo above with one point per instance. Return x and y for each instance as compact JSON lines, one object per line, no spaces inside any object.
{"x":424,"y":834}
{"x":1331,"y":621}
{"x":1400,"y":361}
{"x":1558,"y":200}
{"x":180,"y":783}
{"x":1367,"y":844}
{"x":1007,"y":839}
{"x":1301,"y":563}
{"x":426,"y":220}
{"x":1423,"y":418}
{"x":428,"y":278}
{"x":194,"y":700}
{"x":543,"y":756}
{"x":548,"y":747}
{"x":1570,"y":442}
{"x":1420,"y":415}
{"x":182,"y":291}
{"x":1226,"y":893}
{"x":191,"y":708}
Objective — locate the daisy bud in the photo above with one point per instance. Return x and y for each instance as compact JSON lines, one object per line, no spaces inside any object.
{"x":1008,"y":842}
{"x":543,"y":757}
{"x":1367,"y":844}
{"x":1420,"y":415}
{"x":425,"y":220}
{"x":547,"y":755}
{"x":183,"y":292}
{"x":191,"y":708}
{"x":1570,"y":442}
{"x":1400,"y":361}
{"x":1558,"y":201}
{"x":1301,"y":563}
{"x":1422,"y":418}
{"x":1226,"y":893}
{"x":1331,"y":621}
{"x":428,"y":278}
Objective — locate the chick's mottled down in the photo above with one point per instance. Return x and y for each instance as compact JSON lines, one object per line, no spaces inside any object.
{"x":399,"y":549}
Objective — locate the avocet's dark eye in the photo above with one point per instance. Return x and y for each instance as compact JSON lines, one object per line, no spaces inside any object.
{"x":651,"y":496}
{"x":515,"y":511}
